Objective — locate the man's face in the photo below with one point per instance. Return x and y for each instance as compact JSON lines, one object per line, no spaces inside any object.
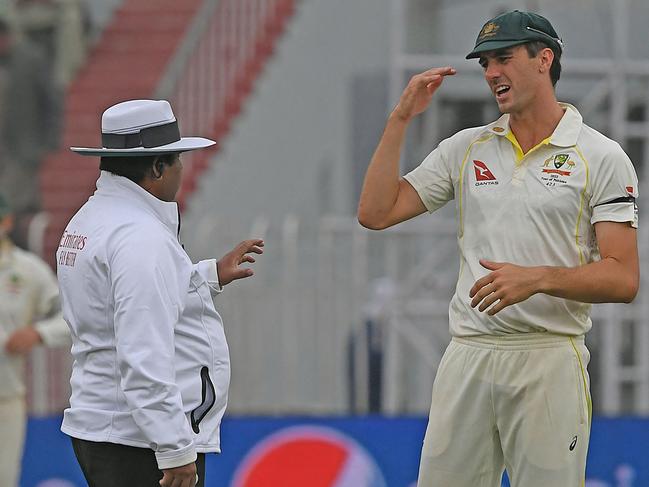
{"x":513,"y":77}
{"x":171,"y":179}
{"x":6,"y":224}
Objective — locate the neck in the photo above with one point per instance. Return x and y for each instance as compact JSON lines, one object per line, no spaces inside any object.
{"x":537,"y":122}
{"x":5,"y":244}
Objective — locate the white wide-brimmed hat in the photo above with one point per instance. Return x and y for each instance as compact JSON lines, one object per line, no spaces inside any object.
{"x":141,"y":127}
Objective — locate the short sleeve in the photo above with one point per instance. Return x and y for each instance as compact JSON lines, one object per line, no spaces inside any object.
{"x":615,"y":190}
{"x":432,"y":179}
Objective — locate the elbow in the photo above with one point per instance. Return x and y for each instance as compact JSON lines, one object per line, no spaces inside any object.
{"x":631,"y":292}
{"x":369,"y":224}
{"x":630,"y":289}
{"x":369,"y":221}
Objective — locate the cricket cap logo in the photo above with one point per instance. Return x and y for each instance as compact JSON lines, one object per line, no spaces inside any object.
{"x":488,"y":30}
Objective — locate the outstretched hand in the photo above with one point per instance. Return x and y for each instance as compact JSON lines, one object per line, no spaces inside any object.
{"x":23,"y":340}
{"x":417,"y":95}
{"x":228,"y":266}
{"x":505,"y":285}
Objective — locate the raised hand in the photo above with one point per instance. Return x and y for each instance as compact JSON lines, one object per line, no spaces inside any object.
{"x":228,"y":266}
{"x":417,"y":95}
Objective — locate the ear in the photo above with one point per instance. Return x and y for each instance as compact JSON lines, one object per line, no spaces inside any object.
{"x":546,"y":57}
{"x":157,"y":168}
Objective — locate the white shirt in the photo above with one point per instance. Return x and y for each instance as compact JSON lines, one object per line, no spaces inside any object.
{"x":151,"y":364}
{"x":536,"y":209}
{"x":29,"y":296}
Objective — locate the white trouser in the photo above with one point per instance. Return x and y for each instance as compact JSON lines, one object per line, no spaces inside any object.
{"x":519,"y":402}
{"x":13,"y":417}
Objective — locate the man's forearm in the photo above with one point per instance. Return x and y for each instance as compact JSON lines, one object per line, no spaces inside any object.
{"x":605,"y":281}
{"x":381,"y":185}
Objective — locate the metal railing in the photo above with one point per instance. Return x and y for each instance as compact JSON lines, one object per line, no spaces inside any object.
{"x":328,"y":297}
{"x":301,"y":331}
{"x":214,"y":69}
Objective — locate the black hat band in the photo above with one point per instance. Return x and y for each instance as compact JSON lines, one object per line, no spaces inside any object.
{"x":147,"y":138}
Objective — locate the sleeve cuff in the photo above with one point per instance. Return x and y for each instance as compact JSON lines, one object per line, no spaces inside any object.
{"x":419,"y":187}
{"x":54,"y":332}
{"x":176,"y":458}
{"x":618,"y":212}
{"x":207,"y":269}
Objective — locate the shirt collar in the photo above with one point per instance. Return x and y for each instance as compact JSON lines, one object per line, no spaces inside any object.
{"x":110,"y":184}
{"x":565,"y":134}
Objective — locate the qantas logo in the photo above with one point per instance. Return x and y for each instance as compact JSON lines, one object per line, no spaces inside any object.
{"x":483,"y":176}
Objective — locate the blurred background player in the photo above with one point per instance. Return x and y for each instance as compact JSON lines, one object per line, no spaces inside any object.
{"x":547,"y":224}
{"x":29,"y":315}
{"x":30,"y":117}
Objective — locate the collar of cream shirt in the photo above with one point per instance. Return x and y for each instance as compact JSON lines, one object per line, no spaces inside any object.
{"x":565,"y":134}
{"x":112,"y":185}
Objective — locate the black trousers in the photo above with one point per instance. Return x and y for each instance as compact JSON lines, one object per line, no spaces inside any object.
{"x":112,"y":465}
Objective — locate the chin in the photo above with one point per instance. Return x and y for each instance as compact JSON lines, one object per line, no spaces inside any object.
{"x":504,"y":108}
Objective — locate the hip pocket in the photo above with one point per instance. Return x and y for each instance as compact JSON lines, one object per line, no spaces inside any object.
{"x":208,"y":396}
{"x":582,"y":387}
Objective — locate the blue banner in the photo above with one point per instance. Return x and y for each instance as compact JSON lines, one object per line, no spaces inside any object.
{"x":333,"y":452}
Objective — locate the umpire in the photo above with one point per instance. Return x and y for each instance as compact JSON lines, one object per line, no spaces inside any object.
{"x":151,"y":365}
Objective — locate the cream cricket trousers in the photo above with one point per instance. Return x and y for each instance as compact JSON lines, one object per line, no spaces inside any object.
{"x":13,"y":417}
{"x":519,"y":402}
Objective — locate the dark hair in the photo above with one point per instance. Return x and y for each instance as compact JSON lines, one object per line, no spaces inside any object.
{"x":135,"y":168}
{"x":533,"y":48}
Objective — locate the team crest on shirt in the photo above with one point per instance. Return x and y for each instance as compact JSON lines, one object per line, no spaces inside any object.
{"x":14,"y":284}
{"x":556,"y":169}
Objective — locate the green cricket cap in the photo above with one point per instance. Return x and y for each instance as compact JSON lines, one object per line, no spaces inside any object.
{"x":512,"y":29}
{"x":5,"y":209}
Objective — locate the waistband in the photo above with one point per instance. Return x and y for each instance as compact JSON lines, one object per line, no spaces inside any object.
{"x":520,"y":341}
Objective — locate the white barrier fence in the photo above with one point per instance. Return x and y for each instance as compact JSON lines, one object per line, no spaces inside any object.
{"x":337,"y":315}
{"x":340,"y":319}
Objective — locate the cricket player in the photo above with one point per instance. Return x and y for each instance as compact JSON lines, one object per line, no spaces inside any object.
{"x":30,"y":316}
{"x":546,"y":221}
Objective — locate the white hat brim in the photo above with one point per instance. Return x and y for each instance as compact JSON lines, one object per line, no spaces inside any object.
{"x":183,"y":145}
